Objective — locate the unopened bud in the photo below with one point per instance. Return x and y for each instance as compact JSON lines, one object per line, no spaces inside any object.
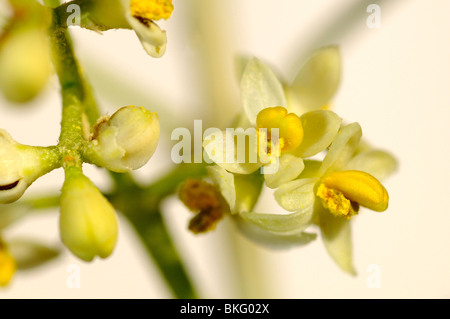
{"x":24,"y":64}
{"x":88,"y":222}
{"x":20,"y":166}
{"x":126,"y":140}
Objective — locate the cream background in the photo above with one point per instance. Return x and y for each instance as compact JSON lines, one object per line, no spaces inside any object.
{"x":395,"y":83}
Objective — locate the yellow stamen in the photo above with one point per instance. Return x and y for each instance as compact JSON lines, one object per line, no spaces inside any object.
{"x":290,"y":129}
{"x":7,"y":266}
{"x":151,"y":9}
{"x":336,"y":202}
{"x":359,"y":187}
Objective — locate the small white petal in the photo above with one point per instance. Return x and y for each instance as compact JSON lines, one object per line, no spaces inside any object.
{"x":260,"y":88}
{"x":336,"y":236}
{"x":152,"y":38}
{"x":290,"y":167}
{"x":378,"y":163}
{"x":237,"y":157}
{"x":248,"y":189}
{"x":271,"y":240}
{"x":225,"y":181}
{"x":342,"y":148}
{"x":296,"y":195}
{"x":320,"y":129}
{"x":316,"y":82}
{"x":281,"y":224}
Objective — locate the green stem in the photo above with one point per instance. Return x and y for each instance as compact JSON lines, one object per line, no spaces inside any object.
{"x":71,"y":138}
{"x":151,"y":228}
{"x":143,"y":211}
{"x":140,"y":205}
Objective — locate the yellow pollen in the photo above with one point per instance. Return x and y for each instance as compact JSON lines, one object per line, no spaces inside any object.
{"x":151,"y":9}
{"x":359,"y":187}
{"x":336,"y":202}
{"x":7,"y":266}
{"x":290,"y":129}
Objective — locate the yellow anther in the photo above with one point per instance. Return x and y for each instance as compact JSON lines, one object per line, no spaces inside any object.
{"x":359,"y":187}
{"x":336,"y":202}
{"x":151,"y":9}
{"x":7,"y":266}
{"x":290,"y":129}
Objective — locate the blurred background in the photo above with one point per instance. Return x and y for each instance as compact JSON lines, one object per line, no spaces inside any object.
{"x":395,"y":83}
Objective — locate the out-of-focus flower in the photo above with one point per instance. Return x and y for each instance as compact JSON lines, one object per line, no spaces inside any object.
{"x":20,"y":166}
{"x":125,"y":141}
{"x":23,"y":74}
{"x":24,"y":52}
{"x":316,"y":83}
{"x":7,"y":265}
{"x":20,"y":254}
{"x":88,"y":222}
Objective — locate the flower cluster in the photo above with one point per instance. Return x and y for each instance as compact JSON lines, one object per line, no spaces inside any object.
{"x":320,"y":170}
{"x":122,"y":142}
{"x":88,"y":224}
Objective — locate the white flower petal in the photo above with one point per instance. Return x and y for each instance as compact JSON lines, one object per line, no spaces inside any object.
{"x":271,"y":240}
{"x":320,"y":129}
{"x":152,"y":38}
{"x":286,"y":224}
{"x":378,"y":163}
{"x":290,"y":167}
{"x":342,"y":148}
{"x":248,"y":189}
{"x":237,"y":157}
{"x":260,"y":88}
{"x":296,"y":195}
{"x":336,"y":236}
{"x":316,"y":82}
{"x":225,"y":181}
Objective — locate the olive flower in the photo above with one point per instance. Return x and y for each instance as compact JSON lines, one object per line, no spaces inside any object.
{"x":332,"y":192}
{"x":140,"y":15}
{"x":278,"y":137}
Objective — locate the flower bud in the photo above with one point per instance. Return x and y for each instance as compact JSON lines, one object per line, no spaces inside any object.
{"x":125,"y":141}
{"x":21,"y":165}
{"x":88,"y":223}
{"x":25,"y":64}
